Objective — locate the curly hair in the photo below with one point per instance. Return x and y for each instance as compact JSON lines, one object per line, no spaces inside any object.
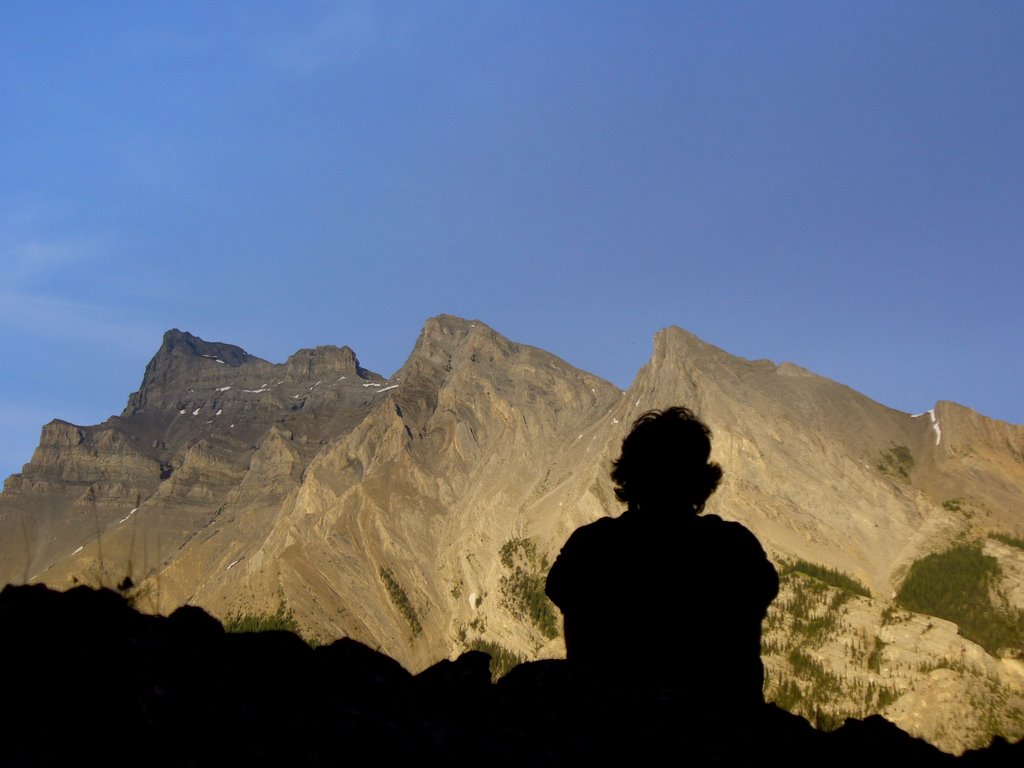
{"x":665,"y":461}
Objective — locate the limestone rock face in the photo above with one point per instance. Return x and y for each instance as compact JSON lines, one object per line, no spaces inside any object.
{"x":418,"y":514}
{"x":801,"y":457}
{"x":125,"y":497}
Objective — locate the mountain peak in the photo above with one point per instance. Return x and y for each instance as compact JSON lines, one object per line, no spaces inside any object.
{"x":439,"y":340}
{"x":681,"y":349}
{"x":324,"y":360}
{"x":451,"y":327}
{"x":185,"y":343}
{"x":675,"y":340}
{"x":180,"y":361}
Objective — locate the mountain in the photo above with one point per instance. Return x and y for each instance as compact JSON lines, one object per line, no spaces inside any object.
{"x":418,"y":514}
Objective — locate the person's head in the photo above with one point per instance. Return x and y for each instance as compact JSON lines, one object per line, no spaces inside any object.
{"x":664,"y":463}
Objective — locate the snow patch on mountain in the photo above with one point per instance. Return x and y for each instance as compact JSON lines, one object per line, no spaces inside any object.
{"x":935,"y":423}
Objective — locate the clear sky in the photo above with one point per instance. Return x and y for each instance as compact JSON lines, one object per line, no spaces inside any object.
{"x":839,"y":185}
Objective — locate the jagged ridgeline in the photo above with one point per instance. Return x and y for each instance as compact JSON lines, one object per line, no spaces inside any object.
{"x":418,"y":513}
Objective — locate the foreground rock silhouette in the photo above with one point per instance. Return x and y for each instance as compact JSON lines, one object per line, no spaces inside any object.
{"x":87,"y":677}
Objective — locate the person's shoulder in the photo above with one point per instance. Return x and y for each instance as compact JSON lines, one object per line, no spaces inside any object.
{"x":735,"y":534}
{"x":602,"y":529}
{"x":603,"y":526}
{"x":748,"y":556}
{"x":716,"y":524}
{"x":581,"y":561}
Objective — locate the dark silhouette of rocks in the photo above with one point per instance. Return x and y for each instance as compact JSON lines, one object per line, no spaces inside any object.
{"x":89,"y":678}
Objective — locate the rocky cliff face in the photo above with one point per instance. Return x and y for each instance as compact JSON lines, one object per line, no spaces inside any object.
{"x":123,"y":498}
{"x":418,"y":514}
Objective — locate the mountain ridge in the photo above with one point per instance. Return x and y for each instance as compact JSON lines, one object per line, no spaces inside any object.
{"x":389,"y":510}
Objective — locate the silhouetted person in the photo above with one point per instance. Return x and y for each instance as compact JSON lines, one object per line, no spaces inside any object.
{"x":663,"y":600}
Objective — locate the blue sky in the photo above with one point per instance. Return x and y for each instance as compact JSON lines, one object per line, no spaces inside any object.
{"x":839,"y":185}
